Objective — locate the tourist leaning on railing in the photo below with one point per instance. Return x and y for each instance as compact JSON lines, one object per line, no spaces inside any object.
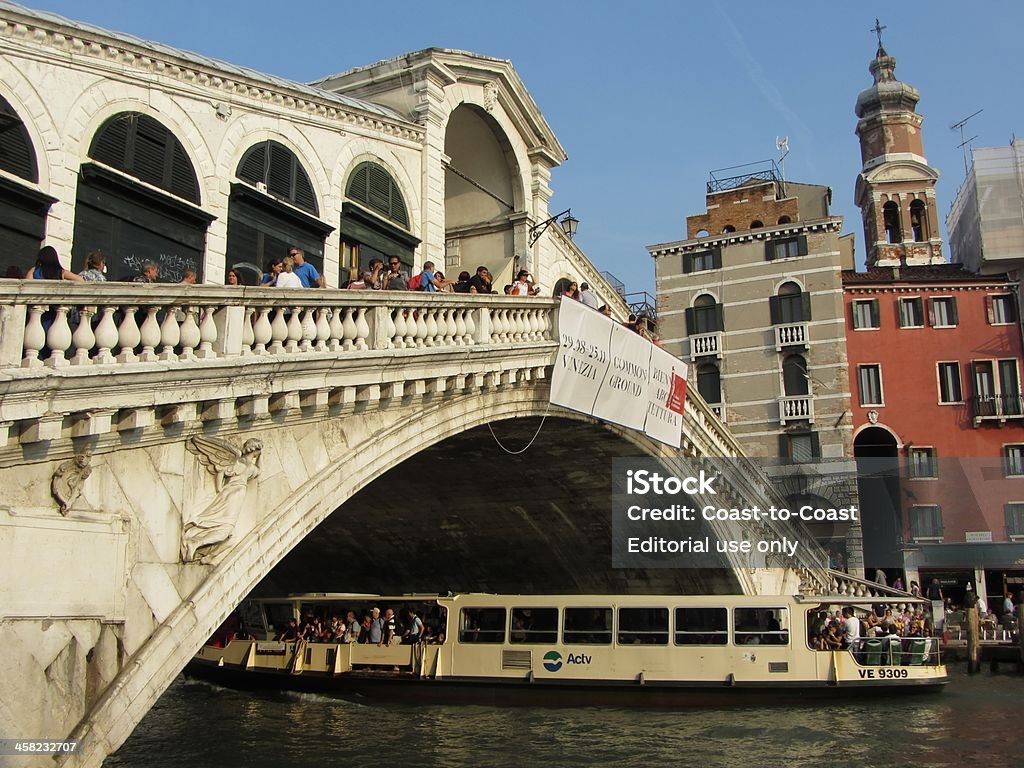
{"x":48,"y":267}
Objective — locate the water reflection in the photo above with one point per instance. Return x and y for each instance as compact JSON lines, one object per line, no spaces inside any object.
{"x":975,"y":721}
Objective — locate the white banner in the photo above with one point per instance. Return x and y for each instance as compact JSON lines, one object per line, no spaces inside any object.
{"x":583,"y":357}
{"x":606,"y":370}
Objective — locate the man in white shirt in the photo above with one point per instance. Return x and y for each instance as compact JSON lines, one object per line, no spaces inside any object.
{"x":587,"y":296}
{"x":851,"y":631}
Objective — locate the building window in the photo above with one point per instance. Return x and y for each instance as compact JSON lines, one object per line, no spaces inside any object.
{"x":705,"y":316}
{"x":756,"y":224}
{"x":709,"y":383}
{"x":784,"y":219}
{"x":891,"y":219}
{"x":911,"y":313}
{"x":949,"y":383}
{"x":702,"y":261}
{"x":866,"y":315}
{"x":942,"y":312}
{"x":728,"y":229}
{"x":926,"y":522}
{"x":273,"y":164}
{"x":1014,"y":518}
{"x":795,"y":380}
{"x":790,"y":306}
{"x":371,"y":185}
{"x":1013,"y":460}
{"x":918,"y":222}
{"x":799,"y":447}
{"x":923,"y":462}
{"x":784,"y":248}
{"x":997,"y":389}
{"x":869,"y":381}
{"x":1002,"y":309}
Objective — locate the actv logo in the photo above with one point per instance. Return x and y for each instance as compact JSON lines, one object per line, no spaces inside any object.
{"x":552,"y":661}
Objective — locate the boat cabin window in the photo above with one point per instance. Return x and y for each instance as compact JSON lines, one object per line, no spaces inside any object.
{"x":277,"y":616}
{"x":482,"y":625}
{"x":702,"y":626}
{"x":761,"y":626}
{"x":534,"y":625}
{"x":592,"y":626}
{"x":643,"y":626}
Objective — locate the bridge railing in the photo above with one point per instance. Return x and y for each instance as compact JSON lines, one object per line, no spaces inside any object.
{"x":51,"y":324}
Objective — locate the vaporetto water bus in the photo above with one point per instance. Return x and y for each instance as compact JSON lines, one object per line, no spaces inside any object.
{"x":571,"y":650}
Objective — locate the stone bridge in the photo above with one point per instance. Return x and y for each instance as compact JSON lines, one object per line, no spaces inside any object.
{"x":165,"y":450}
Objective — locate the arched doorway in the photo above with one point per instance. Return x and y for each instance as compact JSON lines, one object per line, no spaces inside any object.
{"x":878,"y":485}
{"x":482,"y":193}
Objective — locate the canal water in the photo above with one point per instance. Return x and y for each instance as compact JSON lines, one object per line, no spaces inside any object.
{"x":976,"y":721}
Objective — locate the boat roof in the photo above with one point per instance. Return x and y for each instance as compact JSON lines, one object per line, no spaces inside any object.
{"x":588,"y":599}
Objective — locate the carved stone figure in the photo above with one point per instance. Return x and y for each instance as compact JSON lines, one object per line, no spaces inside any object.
{"x":232,"y":470}
{"x":873,"y":416}
{"x":69,"y":479}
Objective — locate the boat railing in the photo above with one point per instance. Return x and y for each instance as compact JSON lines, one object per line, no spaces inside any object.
{"x":898,"y":652}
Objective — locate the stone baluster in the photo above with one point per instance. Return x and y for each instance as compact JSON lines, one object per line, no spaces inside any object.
{"x":294,"y":331}
{"x":536,"y":324}
{"x":497,"y":326}
{"x":337,"y":330}
{"x":308,"y":325}
{"x":517,"y":325}
{"x":391,"y":329}
{"x":83,"y":339}
{"x":170,"y":334}
{"x":450,"y":327}
{"x":248,"y":334}
{"x":190,"y":336}
{"x":106,"y":337}
{"x":323,"y":329}
{"x":262,"y":332}
{"x":207,"y":334}
{"x":421,"y":327}
{"x":400,"y":329}
{"x":149,"y":336}
{"x":470,"y":318}
{"x":431,"y":322}
{"x":348,"y":325}
{"x":128,"y":336}
{"x":362,"y":329}
{"x":58,"y":338}
{"x":278,"y":332}
{"x":35,"y":337}
{"x":460,"y":326}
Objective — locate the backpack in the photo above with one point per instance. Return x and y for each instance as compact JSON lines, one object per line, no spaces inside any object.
{"x":416,"y":283}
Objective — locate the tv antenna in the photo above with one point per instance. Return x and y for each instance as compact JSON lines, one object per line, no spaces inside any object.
{"x":959,"y":126}
{"x":782,"y":144}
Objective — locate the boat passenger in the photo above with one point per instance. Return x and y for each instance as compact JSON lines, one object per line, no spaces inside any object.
{"x":375,"y":630}
{"x":290,"y":632}
{"x":851,"y":633}
{"x":414,"y":629}
{"x":390,"y":626}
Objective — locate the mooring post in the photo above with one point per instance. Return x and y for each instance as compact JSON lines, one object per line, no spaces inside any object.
{"x":973,"y":655}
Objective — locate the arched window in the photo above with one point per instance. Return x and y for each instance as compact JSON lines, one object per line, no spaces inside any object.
{"x":703,"y":233}
{"x":728,"y":229}
{"x":372,"y":185}
{"x":791,"y":305}
{"x":784,"y":220}
{"x":145,"y":148}
{"x":23,"y":210}
{"x":709,"y":383}
{"x":133,"y":222}
{"x":263,"y":225}
{"x":273,"y":164}
{"x":756,"y":224}
{"x":375,"y":224}
{"x":918,"y":222}
{"x":891,"y":219}
{"x":705,"y":316}
{"x":794,"y":376}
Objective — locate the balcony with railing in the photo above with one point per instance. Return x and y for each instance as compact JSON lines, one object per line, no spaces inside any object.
{"x":706,"y":345}
{"x":796,"y":408}
{"x":997,"y":408}
{"x":790,"y":335}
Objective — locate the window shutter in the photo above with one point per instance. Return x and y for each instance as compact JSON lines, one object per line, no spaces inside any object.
{"x":775,"y":309}
{"x":954,"y":317}
{"x":690,"y":321}
{"x":719,"y":318}
{"x":16,"y":153}
{"x":111,"y":142}
{"x":900,"y":314}
{"x":989,"y":310}
{"x":716,"y":258}
{"x":687,"y":263}
{"x":280,"y":171}
{"x":253,"y":166}
{"x":802,"y":245}
{"x":815,"y":446}
{"x":769,"y":250}
{"x":784,"y":452}
{"x":876,"y":314}
{"x":931,"y":312}
{"x":854,"y":322}
{"x":805,"y":306}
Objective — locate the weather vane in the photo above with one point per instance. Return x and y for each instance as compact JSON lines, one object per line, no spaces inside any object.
{"x":877,"y":29}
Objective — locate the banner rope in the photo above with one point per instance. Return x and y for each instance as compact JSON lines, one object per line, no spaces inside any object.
{"x":535,"y":434}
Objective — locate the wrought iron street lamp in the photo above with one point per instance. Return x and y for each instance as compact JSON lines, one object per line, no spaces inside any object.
{"x":567,"y":222}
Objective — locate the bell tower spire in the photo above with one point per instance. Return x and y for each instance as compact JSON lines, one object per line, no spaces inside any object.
{"x":896,"y":186}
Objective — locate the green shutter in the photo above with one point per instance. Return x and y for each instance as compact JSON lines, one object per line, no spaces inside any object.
{"x":769,"y":250}
{"x":719,"y":318}
{"x":691,"y":321}
{"x":876,"y":314}
{"x":802,"y":245}
{"x":775,"y":308}
{"x":17,"y":156}
{"x":805,"y":306}
{"x":687,"y":263}
{"x":815,"y":445}
{"x":716,"y":258}
{"x":954,"y":317}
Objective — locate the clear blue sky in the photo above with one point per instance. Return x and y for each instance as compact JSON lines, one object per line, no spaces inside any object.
{"x":648,"y":97}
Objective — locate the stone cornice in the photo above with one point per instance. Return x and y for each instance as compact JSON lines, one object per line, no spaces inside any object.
{"x":80,"y":45}
{"x":831,"y":224}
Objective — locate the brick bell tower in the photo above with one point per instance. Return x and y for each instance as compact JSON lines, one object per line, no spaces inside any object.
{"x":896,"y":186}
